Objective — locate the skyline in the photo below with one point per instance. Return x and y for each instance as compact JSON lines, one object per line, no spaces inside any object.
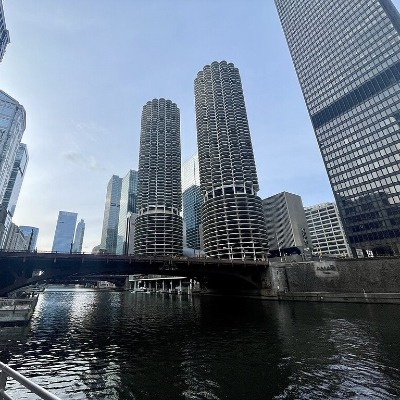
{"x":83,"y":118}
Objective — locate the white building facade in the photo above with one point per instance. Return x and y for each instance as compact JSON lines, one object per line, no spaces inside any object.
{"x":326,"y":230}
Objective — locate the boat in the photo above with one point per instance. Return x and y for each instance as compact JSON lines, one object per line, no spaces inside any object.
{"x":17,"y":311}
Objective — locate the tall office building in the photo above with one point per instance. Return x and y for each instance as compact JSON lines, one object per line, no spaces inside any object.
{"x":78,"y":238}
{"x":158,"y":227}
{"x":64,"y":234}
{"x":192,"y":201}
{"x":12,"y":126}
{"x":4,"y":35}
{"x":31,"y":234}
{"x":286,"y":224}
{"x":15,"y":239}
{"x":127,"y":208}
{"x":347,"y":57}
{"x":16,"y":178}
{"x":326,"y":230}
{"x":111,"y":215}
{"x":232,"y":215}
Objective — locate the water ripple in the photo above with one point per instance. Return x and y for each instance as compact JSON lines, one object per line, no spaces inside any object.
{"x":106,"y":345}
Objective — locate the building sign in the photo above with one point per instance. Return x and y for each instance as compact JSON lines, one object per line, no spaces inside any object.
{"x":326,"y":269}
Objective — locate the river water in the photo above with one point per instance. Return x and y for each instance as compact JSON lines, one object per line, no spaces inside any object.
{"x":85,"y":344}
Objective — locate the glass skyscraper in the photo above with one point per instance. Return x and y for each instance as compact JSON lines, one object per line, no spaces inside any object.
{"x":192,"y":201}
{"x":158,"y":227}
{"x":347,"y":57}
{"x":12,"y":127}
{"x":4,"y":35}
{"x":232,"y":214}
{"x":126,"y":209}
{"x":16,"y":178}
{"x":31,"y":234}
{"x":78,"y":239}
{"x":12,"y":191}
{"x":64,"y":234}
{"x":111,"y":215}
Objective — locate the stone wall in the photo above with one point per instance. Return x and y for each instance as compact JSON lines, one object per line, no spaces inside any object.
{"x":367,"y":275}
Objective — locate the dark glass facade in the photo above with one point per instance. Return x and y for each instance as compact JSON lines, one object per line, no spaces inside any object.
{"x":192,"y":202}
{"x":347,"y":58}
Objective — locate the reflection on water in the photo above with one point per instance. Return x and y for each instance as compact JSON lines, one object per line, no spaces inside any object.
{"x":109,"y":345}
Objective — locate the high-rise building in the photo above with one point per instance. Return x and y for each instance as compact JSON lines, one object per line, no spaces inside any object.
{"x":111,"y":216}
{"x":347,"y":58}
{"x":127,"y":208}
{"x":158,"y":227}
{"x":64,"y":234}
{"x":15,"y":239}
{"x":326,"y":230}
{"x":16,"y":178}
{"x":129,"y":246}
{"x":78,"y":239}
{"x":12,"y":126}
{"x":286,"y":224}
{"x":192,"y":201}
{"x":232,"y":215}
{"x":4,"y":35}
{"x":31,"y":234}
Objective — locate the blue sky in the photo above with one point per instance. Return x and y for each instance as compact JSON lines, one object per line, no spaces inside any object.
{"x":84,"y":69}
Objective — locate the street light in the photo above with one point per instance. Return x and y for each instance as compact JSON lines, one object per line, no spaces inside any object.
{"x":279,"y":246}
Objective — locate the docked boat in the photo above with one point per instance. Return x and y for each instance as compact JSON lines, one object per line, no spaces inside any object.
{"x":17,"y":311}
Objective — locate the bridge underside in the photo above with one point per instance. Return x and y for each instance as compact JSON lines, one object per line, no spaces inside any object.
{"x":18,"y":270}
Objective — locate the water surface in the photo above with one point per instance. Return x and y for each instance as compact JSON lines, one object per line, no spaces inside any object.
{"x":111,"y":345}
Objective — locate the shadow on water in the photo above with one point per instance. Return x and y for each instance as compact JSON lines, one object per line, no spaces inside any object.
{"x":110,"y":345}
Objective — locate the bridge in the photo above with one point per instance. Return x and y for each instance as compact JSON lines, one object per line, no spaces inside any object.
{"x":19,"y":269}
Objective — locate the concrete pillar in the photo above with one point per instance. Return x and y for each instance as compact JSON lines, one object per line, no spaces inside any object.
{"x":127,"y":284}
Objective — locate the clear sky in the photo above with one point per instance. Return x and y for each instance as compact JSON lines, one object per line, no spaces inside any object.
{"x":83,"y":69}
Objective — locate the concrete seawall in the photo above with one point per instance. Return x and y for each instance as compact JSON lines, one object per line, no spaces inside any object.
{"x":367,"y":280}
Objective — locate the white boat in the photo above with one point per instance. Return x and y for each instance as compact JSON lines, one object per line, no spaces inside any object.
{"x":17,"y":311}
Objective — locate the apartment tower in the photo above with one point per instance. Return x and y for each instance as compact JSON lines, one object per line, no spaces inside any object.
{"x":158,"y":226}
{"x":232,"y":214}
{"x":347,"y":57}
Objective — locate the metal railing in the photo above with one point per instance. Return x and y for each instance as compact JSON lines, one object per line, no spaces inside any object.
{"x":6,"y":371}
